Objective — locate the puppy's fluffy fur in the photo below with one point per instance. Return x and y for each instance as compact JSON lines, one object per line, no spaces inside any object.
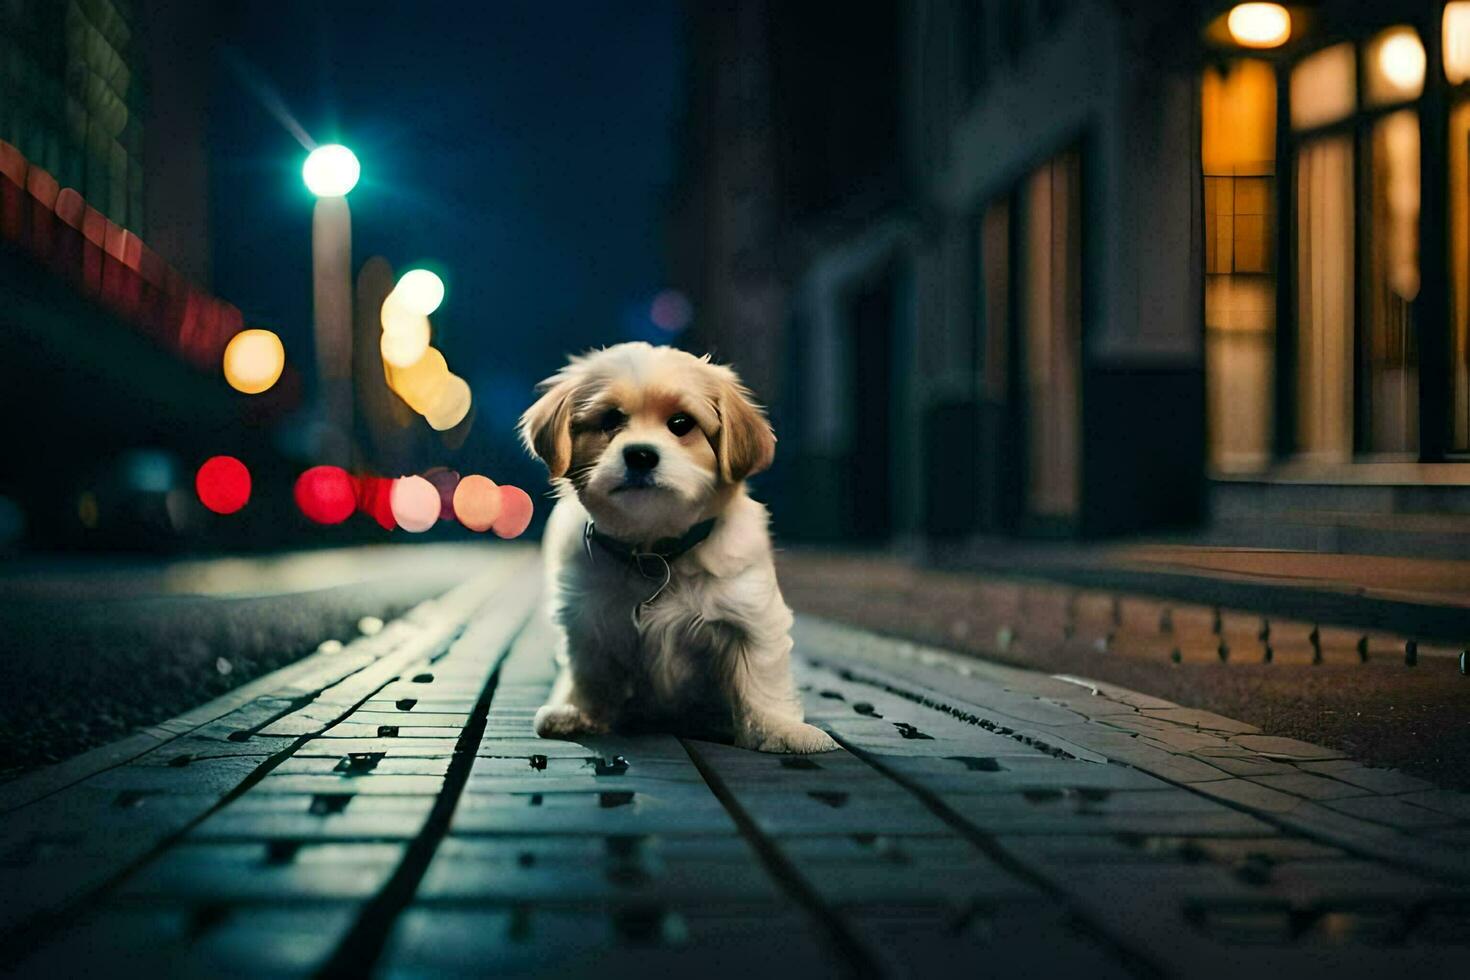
{"x":711,"y":654}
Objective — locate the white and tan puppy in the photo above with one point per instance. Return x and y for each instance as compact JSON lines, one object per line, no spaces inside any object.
{"x":659,"y":565}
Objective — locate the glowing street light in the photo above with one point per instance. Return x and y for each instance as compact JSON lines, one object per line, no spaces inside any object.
{"x":331,"y":171}
{"x":1259,"y":25}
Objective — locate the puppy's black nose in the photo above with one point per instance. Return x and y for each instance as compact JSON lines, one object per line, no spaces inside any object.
{"x":641,"y":458}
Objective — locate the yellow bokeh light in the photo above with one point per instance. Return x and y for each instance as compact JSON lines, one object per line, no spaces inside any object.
{"x":1401,"y":59}
{"x":1259,"y":25}
{"x":418,"y":383}
{"x":450,"y":404}
{"x":406,"y":345}
{"x":253,"y":361}
{"x":420,"y":291}
{"x":395,"y":317}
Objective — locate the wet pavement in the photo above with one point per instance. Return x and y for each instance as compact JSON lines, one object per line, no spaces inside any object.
{"x":385,"y":809}
{"x":1376,"y":693}
{"x":94,"y":648}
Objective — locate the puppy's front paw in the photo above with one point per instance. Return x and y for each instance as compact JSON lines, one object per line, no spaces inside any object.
{"x":565,"y":721}
{"x":792,"y":737}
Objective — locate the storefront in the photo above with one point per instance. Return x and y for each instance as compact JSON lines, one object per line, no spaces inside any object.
{"x":1333,"y":150}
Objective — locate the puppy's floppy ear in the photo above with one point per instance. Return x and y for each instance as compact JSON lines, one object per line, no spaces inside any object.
{"x":546,"y":428}
{"x":746,"y":444}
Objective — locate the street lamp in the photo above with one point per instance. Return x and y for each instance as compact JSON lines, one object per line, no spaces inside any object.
{"x":330,"y":172}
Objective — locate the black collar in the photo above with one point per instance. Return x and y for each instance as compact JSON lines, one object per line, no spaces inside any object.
{"x":640,"y":558}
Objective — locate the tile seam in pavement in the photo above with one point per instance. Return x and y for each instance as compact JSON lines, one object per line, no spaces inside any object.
{"x":784,"y":873}
{"x":1134,"y":959}
{"x":31,"y":932}
{"x":360,"y":950}
{"x":35,"y":786}
{"x":1013,"y":728}
{"x":1372,"y":843}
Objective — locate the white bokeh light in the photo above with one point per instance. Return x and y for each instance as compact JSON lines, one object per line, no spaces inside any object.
{"x":331,"y":171}
{"x":415,"y":502}
{"x":419,"y":291}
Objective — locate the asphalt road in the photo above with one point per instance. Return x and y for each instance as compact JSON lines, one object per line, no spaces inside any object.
{"x":1380,"y":712}
{"x":93,"y":649}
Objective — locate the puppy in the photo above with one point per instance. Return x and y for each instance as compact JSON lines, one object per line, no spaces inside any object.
{"x":659,"y":567}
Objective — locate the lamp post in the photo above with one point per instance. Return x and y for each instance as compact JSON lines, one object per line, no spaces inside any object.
{"x":330,"y":172}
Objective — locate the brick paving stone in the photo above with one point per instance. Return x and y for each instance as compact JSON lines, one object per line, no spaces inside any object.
{"x":979,"y":814}
{"x":1015,"y":939}
{"x":265,"y":871}
{"x":1443,"y":801}
{"x":1071,"y":814}
{"x":1274,"y":746}
{"x":203,"y":941}
{"x":323,"y":816}
{"x":1252,"y":794}
{"x":1204,"y":720}
{"x":1310,"y":786}
{"x":582,"y":870}
{"x":352,"y":765}
{"x":366,"y":783}
{"x":592,"y":812}
{"x":867,"y":870}
{"x":989,"y":774}
{"x":651,"y":941}
{"x":1384,"y":781}
{"x":1238,"y":762}
{"x":1391,"y":812}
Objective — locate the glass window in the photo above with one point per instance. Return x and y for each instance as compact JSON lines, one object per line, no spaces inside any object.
{"x":1391,"y":358}
{"x":1393,"y":67}
{"x":1456,"y":26}
{"x":1238,"y":157}
{"x":1324,"y":87}
{"x":1324,"y":340}
{"x":1052,"y":334}
{"x":995,"y":299}
{"x":1459,"y":258}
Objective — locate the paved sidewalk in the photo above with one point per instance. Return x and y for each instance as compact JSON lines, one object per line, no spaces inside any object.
{"x":1428,"y":598}
{"x":387,"y":810}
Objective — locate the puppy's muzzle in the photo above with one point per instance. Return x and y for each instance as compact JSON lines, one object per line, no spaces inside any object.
{"x":639,"y":462}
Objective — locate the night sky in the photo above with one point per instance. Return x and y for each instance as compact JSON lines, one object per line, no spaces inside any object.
{"x":526,"y":147}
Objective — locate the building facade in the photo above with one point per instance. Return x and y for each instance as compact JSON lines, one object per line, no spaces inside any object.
{"x":1123,"y":269}
{"x":110,"y":339}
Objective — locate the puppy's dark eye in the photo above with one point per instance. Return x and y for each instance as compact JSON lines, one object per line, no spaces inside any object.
{"x":611,"y":419}
{"x":680,"y":424}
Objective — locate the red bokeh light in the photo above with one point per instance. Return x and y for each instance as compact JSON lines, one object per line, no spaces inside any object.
{"x":374,"y":499}
{"x":326,"y":494}
{"x":223,"y":484}
{"x":515,"y":512}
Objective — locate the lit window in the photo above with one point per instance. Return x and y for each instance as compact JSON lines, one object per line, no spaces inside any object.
{"x":1459,"y":255}
{"x":1393,"y":67}
{"x":1324,"y":340}
{"x":1238,"y":159}
{"x":1457,"y":41}
{"x":1324,"y":87}
{"x":1391,"y":387}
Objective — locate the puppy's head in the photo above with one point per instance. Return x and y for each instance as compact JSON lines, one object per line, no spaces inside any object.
{"x":651,"y":439}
